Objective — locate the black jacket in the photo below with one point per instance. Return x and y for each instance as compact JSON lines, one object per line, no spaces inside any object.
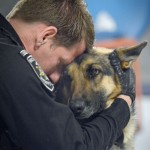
{"x":31,"y":119}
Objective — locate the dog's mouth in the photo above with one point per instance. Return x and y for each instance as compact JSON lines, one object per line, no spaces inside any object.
{"x":86,"y":113}
{"x":84,"y":109}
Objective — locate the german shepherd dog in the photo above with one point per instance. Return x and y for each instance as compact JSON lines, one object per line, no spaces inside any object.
{"x":90,"y":83}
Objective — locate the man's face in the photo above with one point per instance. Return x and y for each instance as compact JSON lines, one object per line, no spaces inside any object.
{"x":61,"y":57}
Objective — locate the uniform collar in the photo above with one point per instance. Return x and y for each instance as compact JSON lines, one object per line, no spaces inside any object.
{"x":4,"y":24}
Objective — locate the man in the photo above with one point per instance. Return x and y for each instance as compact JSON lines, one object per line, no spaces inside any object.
{"x":38,"y":39}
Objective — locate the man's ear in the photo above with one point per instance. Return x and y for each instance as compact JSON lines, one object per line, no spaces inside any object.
{"x":46,"y":34}
{"x":129,"y":55}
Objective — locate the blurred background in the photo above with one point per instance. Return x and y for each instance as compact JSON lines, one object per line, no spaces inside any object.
{"x":121,"y":23}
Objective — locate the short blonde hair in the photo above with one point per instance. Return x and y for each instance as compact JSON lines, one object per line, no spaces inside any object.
{"x":70,"y":17}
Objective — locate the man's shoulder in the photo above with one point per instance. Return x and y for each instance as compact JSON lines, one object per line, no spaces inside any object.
{"x":22,"y":64}
{"x":9,"y":52}
{"x":7,"y":46}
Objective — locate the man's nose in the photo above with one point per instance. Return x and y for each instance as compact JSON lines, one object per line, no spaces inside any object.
{"x":55,"y":77}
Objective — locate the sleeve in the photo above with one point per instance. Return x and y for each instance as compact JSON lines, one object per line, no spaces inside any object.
{"x":35,"y":121}
{"x":107,"y":126}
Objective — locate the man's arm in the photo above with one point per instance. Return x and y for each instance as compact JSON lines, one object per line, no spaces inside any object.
{"x":35,"y":121}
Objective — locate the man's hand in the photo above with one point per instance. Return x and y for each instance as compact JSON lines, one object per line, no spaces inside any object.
{"x":126,"y":77}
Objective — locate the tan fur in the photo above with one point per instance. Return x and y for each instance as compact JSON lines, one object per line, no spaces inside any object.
{"x":93,"y":74}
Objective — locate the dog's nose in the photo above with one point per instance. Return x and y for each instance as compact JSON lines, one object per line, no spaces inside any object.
{"x":77,"y":107}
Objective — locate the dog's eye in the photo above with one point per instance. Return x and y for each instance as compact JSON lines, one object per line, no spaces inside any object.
{"x":93,"y":72}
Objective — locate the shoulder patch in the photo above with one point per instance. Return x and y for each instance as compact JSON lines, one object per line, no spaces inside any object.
{"x":38,"y":70}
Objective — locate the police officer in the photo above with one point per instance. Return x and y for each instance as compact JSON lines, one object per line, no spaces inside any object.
{"x":38,"y":39}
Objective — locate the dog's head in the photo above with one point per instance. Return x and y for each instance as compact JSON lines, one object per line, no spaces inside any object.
{"x":90,"y":84}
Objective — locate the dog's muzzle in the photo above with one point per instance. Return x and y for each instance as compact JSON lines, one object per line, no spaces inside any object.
{"x":77,"y":107}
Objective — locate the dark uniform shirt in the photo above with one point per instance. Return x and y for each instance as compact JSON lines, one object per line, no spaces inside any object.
{"x":31,"y":119}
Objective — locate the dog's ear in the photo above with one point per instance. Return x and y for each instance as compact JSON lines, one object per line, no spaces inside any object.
{"x":129,"y":55}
